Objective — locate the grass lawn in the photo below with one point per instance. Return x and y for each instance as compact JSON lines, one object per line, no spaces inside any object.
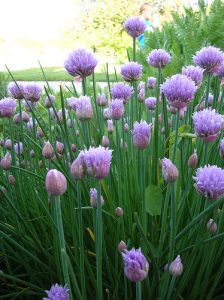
{"x":52,"y":74}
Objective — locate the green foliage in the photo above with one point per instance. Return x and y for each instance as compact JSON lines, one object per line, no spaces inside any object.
{"x":153,"y":195}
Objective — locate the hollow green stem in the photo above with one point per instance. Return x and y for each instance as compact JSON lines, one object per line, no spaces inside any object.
{"x":176,"y":135}
{"x":207,"y":90}
{"x":138,"y":291}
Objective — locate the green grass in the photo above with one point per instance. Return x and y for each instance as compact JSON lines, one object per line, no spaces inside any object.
{"x":52,"y":74}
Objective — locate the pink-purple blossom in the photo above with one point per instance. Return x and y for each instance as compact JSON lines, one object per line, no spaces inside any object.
{"x":121,"y":91}
{"x":134,"y":26}
{"x":131,"y":71}
{"x":195,"y":73}
{"x":57,"y":292}
{"x":32,"y":92}
{"x":116,"y":108}
{"x":150,"y":103}
{"x":7,"y":107}
{"x":141,"y":134}
{"x":158,"y":58}
{"x":16,"y":90}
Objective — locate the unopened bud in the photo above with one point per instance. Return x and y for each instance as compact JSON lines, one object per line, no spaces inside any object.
{"x":6,"y":161}
{"x":211,"y":226}
{"x":122,"y":246}
{"x":77,"y":167}
{"x":176,"y":267}
{"x":56,"y":183}
{"x":32,"y":153}
{"x":60,"y":147}
{"x":8,"y":144}
{"x":126,"y":127}
{"x":48,"y":150}
{"x":105,"y":141}
{"x":119,"y":212}
{"x":93,"y":198}
{"x":193,"y":160}
{"x":40,"y":133}
{"x":73,"y":148}
{"x":77,"y":133}
{"x":110,"y":126}
{"x":170,"y":172}
{"x":25,"y":117}
{"x":11,"y":180}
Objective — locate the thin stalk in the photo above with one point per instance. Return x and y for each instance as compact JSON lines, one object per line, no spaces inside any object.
{"x":138,"y":291}
{"x":176,"y":135}
{"x":172,"y":222}
{"x":99,"y":243}
{"x":142,"y":183}
{"x":81,"y":243}
{"x":134,"y":49}
{"x":207,"y":90}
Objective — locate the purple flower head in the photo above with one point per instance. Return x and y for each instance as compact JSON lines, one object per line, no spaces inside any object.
{"x":16,"y":90}
{"x":221,"y":148}
{"x":131,"y":71}
{"x":72,"y":102}
{"x":151,"y":82}
{"x":209,"y":182}
{"x":210,"y":99}
{"x":32,"y":92}
{"x":195,"y":73}
{"x":141,"y":95}
{"x":7,"y":107}
{"x":101,"y":100}
{"x":55,"y":183}
{"x":80,"y":62}
{"x":209,"y":58}
{"x":141,"y":134}
{"x":97,"y":161}
{"x":57,"y":292}
{"x":134,"y":26}
{"x":93,"y":198}
{"x":135,"y":265}
{"x":121,"y":91}
{"x":220,"y":71}
{"x":141,"y":86}
{"x":158,"y":58}
{"x":150,"y":103}
{"x":77,"y":167}
{"x":18,"y":147}
{"x":84,"y":109}
{"x":207,"y":124}
{"x":48,"y":100}
{"x":31,"y":104}
{"x":116,"y":108}
{"x":179,"y":90}
{"x":170,"y":172}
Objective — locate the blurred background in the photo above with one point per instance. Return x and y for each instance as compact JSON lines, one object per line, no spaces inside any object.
{"x":47,"y":30}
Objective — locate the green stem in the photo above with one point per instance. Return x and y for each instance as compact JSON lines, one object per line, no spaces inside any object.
{"x":207,"y":90}
{"x":172,"y":222}
{"x":176,"y":135}
{"x":142,"y":183}
{"x":99,"y":243}
{"x":138,"y":291}
{"x":81,"y":243}
{"x":134,"y":49}
{"x":84,"y":89}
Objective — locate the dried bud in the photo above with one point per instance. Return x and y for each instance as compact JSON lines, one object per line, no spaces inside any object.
{"x":11,"y":180}
{"x":32,"y":153}
{"x":6,"y":161}
{"x":176,"y":267}
{"x":122,"y":246}
{"x":60,"y":147}
{"x":77,"y":133}
{"x":41,"y":164}
{"x":56,"y":183}
{"x":93,"y":198}
{"x":211,"y":226}
{"x":170,"y":172}
{"x":105,"y":141}
{"x":193,"y":160}
{"x":73,"y":148}
{"x":48,"y":150}
{"x":160,"y":119}
{"x":119,"y":212}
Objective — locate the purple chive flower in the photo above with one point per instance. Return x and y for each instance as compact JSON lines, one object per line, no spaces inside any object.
{"x":97,"y":161}
{"x":170,"y":172}
{"x":210,"y":99}
{"x":179,"y":90}
{"x":141,"y":95}
{"x":57,"y":292}
{"x":93,"y":198}
{"x":209,"y":58}
{"x":32,"y":104}
{"x":207,"y":124}
{"x":48,"y":100}
{"x":209,"y":182}
{"x":221,"y":148}
{"x":195,"y":73}
{"x":135,"y":265}
{"x":141,"y":86}
{"x":84,"y":109}
{"x":141,"y":134}
{"x":101,"y":100}
{"x":150,"y":103}
{"x":56,"y":183}
{"x":32,"y":92}
{"x":77,"y":167}
{"x":7,"y":107}
{"x":220,"y":71}
{"x":151,"y":82}
{"x":18,"y":147}
{"x":131,"y":71}
{"x":72,"y":102}
{"x":116,"y":108}
{"x":106,"y":113}
{"x":16,"y":90}
{"x":158,"y":58}
{"x":80,"y":62}
{"x":134,"y":26}
{"x":121,"y":91}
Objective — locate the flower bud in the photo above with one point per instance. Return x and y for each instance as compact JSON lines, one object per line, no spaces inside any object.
{"x":151,"y":82}
{"x":41,"y":164}
{"x":211,"y":226}
{"x":25,"y":117}
{"x":160,"y":119}
{"x":6,"y":161}
{"x":11,"y":180}
{"x":176,"y":267}
{"x":93,"y":198}
{"x":56,"y":183}
{"x":122,"y":246}
{"x":101,"y":100}
{"x":8,"y":144}
{"x":106,"y":113}
{"x":77,"y":167}
{"x":32,"y":153}
{"x":126,"y":127}
{"x":48,"y":150}
{"x":170,"y":172}
{"x":40,"y":133}
{"x":16,"y":119}
{"x":110,"y":127}
{"x":193,"y":160}
{"x":119,"y":212}
{"x":77,"y":133}
{"x":60,"y":147}
{"x":73,"y":148}
{"x":105,"y":141}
